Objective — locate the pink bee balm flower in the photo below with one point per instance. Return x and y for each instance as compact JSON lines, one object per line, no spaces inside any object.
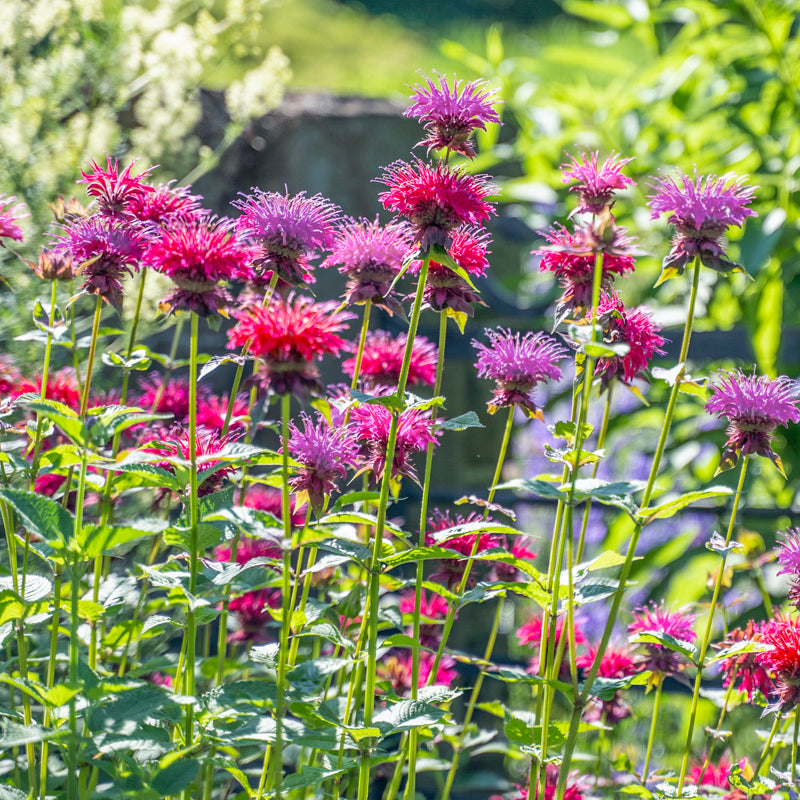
{"x":616,"y":662}
{"x":656,"y":619}
{"x":9,"y":215}
{"x":114,"y":191}
{"x":508,"y":573}
{"x":530,"y":633}
{"x":701,"y":210}
{"x":324,"y":454}
{"x":286,"y":232}
{"x":436,"y":199}
{"x":518,"y":363}
{"x":451,"y":570}
{"x":62,"y":386}
{"x":270,"y":500}
{"x":631,"y":326}
{"x":289,"y":336}
{"x":383,"y":358}
{"x":571,"y":257}
{"x":165,"y":395}
{"x":167,"y":204}
{"x":370,"y":256}
{"x":212,"y":410}
{"x":754,"y":406}
{"x":444,"y":289}
{"x":750,"y":676}
{"x":452,"y":114}
{"x":414,"y":433}
{"x":105,"y":251}
{"x":789,"y":558}
{"x":197,"y":254}
{"x":596,"y":184}
{"x":715,"y":775}
{"x":572,"y":791}
{"x":432,"y":609}
{"x":397,"y":670}
{"x":783,"y":660}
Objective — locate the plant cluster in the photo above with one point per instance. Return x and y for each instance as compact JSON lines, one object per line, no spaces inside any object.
{"x":200,"y":600}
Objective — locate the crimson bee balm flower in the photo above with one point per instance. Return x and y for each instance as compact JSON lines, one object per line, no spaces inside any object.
{"x":9,"y":215}
{"x":783,"y":660}
{"x":701,"y":210}
{"x":436,"y":199}
{"x":197,"y":254}
{"x":289,"y":336}
{"x":115,"y":192}
{"x":754,"y":406}
{"x":517,"y":363}
{"x":451,"y":114}
{"x":286,"y":231}
{"x":596,"y":185}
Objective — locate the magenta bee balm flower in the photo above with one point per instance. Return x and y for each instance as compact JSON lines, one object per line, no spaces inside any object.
{"x":370,"y":256}
{"x":115,"y":191}
{"x":452,"y":114}
{"x":783,"y":659}
{"x":436,"y":199}
{"x":324,"y":454}
{"x":596,"y":185}
{"x":517,"y":363}
{"x":657,"y":620}
{"x":789,"y":558}
{"x":754,"y":406}
{"x":9,"y":214}
{"x":701,"y":210}
{"x":286,"y":232}
{"x":383,"y":358}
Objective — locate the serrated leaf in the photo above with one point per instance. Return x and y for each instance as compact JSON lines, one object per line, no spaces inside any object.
{"x":391,"y":401}
{"x":441,"y":256}
{"x":417,"y":554}
{"x":407,"y":715}
{"x":672,"y":507}
{"x":665,"y":640}
{"x":738,"y":649}
{"x":534,"y":486}
{"x":461,"y":422}
{"x":266,"y":654}
{"x":331,"y":634}
{"x":176,"y":777}
{"x":590,"y":591}
{"x":95,"y":540}
{"x":16,"y":735}
{"x":606,"y":688}
{"x":470,"y":528}
{"x":41,"y":516}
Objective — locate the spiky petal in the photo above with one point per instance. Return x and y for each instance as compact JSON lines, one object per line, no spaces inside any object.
{"x":596,"y":185}
{"x":115,"y":191}
{"x":9,"y":215}
{"x":783,"y":659}
{"x":382,"y":360}
{"x":452,"y":113}
{"x":655,"y":619}
{"x":518,"y":363}
{"x":754,"y":406}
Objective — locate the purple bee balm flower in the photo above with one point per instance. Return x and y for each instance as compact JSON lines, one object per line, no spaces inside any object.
{"x":115,"y":191}
{"x":656,"y":619}
{"x":198,"y":253}
{"x":414,"y":433}
{"x":754,"y":406}
{"x":9,"y":214}
{"x":105,"y":251}
{"x":436,"y":199}
{"x":596,"y":185}
{"x":286,"y":232}
{"x":324,"y":453}
{"x":789,"y":558}
{"x":571,"y":257}
{"x":517,"y":363}
{"x":382,"y":360}
{"x":701,"y":210}
{"x":451,"y":114}
{"x":370,"y":256}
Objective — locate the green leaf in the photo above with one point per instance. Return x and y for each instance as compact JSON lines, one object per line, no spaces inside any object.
{"x":461,"y":422}
{"x":41,"y":516}
{"x":469,"y":528}
{"x":330,"y":633}
{"x":611,"y":15}
{"x":417,"y":554}
{"x":441,"y":256}
{"x":567,"y":430}
{"x":534,"y":486}
{"x":16,"y":735}
{"x":600,"y":350}
{"x":606,"y":688}
{"x":391,"y":401}
{"x":95,"y":540}
{"x":265,"y":654}
{"x":407,"y":715}
{"x":615,"y":493}
{"x":666,"y":640}
{"x":675,"y":505}
{"x":176,"y":777}
{"x":138,"y":359}
{"x":738,"y":649}
{"x":590,"y":591}
{"x":59,"y":414}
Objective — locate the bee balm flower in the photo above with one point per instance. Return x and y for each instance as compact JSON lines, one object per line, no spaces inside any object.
{"x":596,"y":185}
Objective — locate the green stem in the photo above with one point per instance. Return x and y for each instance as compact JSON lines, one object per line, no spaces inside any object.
{"x":709,"y":625}
{"x":723,"y":711}
{"x":580,"y":701}
{"x":653,"y":726}
{"x":362,"y":339}
{"x":383,"y":503}
{"x":51,"y":678}
{"x":795,"y":737}
{"x":767,"y":746}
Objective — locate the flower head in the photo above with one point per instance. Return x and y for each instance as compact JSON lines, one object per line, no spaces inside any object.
{"x":165,"y":205}
{"x":783,"y":659}
{"x":212,"y":410}
{"x":432,"y":609}
{"x":165,"y":395}
{"x":754,"y":406}
{"x":382,"y":360}
{"x":444,"y":289}
{"x":616,"y":662}
{"x":715,"y":775}
{"x":436,"y":199}
{"x":530,"y":633}
{"x":517,"y":363}
{"x":572,"y":791}
{"x":571,"y":256}
{"x":633,"y":327}
{"x":9,"y":215}
{"x":370,"y":256}
{"x":450,"y":571}
{"x":452,"y":114}
{"x":198,"y":253}
{"x":289,"y":336}
{"x":270,"y":500}
{"x":789,"y":558}
{"x":596,"y":184}
{"x":396,"y":668}
{"x":701,"y":210}
{"x":104,"y":251}
{"x":655,"y":619}
{"x":62,"y":386}
{"x":414,"y":433}
{"x":114,"y":191}
{"x":286,"y":231}
{"x":53,"y":265}
{"x":745,"y":669}
{"x":324,"y":453}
